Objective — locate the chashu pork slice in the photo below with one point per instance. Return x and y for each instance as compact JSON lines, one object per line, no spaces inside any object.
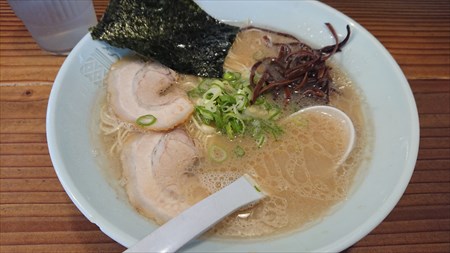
{"x":138,"y":88}
{"x":157,"y":171}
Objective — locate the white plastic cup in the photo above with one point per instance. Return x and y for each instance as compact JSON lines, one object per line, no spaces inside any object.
{"x":56,"y":25}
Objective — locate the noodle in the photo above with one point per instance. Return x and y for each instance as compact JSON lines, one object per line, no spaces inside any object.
{"x":110,"y":125}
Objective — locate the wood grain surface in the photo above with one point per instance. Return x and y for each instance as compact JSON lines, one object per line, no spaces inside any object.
{"x":38,"y":216}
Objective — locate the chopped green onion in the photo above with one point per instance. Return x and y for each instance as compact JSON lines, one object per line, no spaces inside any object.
{"x":239,"y":151}
{"x":259,"y":101}
{"x":246,"y":91}
{"x":261,"y":140}
{"x":213,"y":93}
{"x":257,"y":188}
{"x":225,"y":105}
{"x":204,"y":115}
{"x":210,"y":105}
{"x":225,"y":98}
{"x":273,"y":114}
{"x":229,"y":130}
{"x":217,"y":153}
{"x":235,"y":126}
{"x":229,"y":76}
{"x":218,"y":83}
{"x":204,"y":85}
{"x":146,"y":120}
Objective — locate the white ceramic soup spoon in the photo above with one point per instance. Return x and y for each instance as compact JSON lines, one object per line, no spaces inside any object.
{"x":200,"y":217}
{"x":341,"y":118}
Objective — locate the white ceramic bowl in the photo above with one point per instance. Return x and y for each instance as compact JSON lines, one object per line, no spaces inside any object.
{"x":388,"y":95}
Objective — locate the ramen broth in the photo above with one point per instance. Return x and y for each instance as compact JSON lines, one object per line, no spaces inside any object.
{"x":299,"y":171}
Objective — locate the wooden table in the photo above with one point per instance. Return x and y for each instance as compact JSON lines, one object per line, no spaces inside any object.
{"x":37,"y":215}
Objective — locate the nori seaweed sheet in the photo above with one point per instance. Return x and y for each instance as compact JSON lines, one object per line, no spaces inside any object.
{"x":177,"y":33}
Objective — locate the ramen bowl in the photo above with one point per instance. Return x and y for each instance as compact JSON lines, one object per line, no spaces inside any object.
{"x":390,"y":107}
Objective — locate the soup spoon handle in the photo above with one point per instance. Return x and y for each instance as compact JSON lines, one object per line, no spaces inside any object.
{"x":200,"y":217}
